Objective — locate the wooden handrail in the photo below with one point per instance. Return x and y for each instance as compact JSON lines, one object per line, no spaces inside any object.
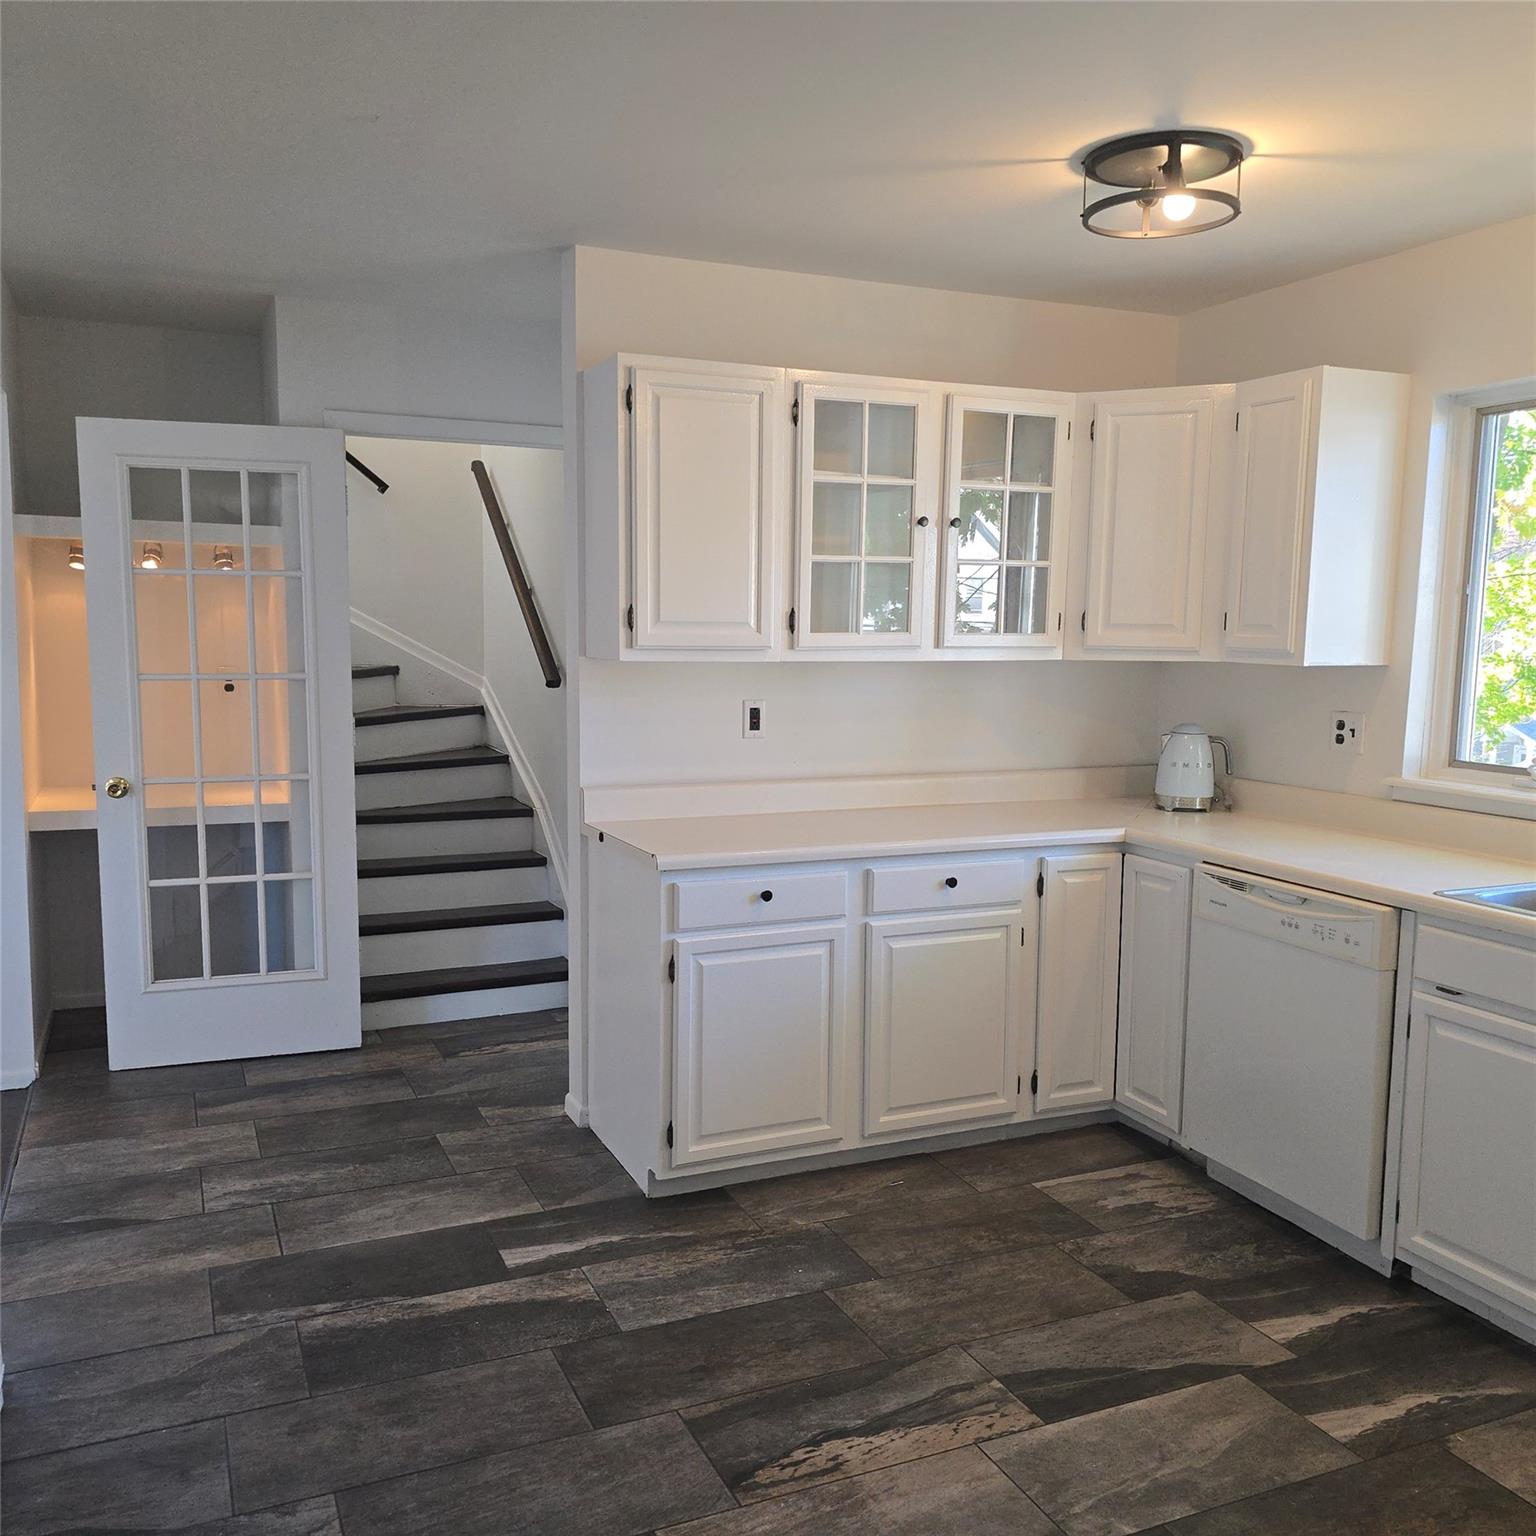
{"x":536,"y":631}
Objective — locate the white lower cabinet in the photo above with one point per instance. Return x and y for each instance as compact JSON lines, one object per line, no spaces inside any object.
{"x":758,"y":1042}
{"x":1154,"y":985}
{"x":944,"y":1008}
{"x":1079,"y":963}
{"x":1467,"y":1199}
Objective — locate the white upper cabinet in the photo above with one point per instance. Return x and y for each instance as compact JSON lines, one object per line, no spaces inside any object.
{"x":685,"y":466}
{"x":1313,"y":512}
{"x":1007,"y":495}
{"x":1149,"y":527}
{"x":865,"y":500}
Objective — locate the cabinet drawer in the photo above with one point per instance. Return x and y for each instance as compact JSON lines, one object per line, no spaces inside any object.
{"x":948,"y":883}
{"x":1478,"y":967}
{"x":759,"y":898}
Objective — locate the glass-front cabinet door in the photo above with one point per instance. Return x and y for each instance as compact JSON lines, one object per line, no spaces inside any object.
{"x":1007,"y":495}
{"x":866,"y":493}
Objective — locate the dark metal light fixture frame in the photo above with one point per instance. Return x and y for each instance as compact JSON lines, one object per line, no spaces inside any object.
{"x":1158,"y":164}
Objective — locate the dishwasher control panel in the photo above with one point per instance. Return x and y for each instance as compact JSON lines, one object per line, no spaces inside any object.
{"x":1358,"y":932}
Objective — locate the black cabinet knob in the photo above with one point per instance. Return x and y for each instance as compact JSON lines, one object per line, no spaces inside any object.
{"x":922,"y":522}
{"x":766,"y":895}
{"x":954,"y":522}
{"x":951,"y":882}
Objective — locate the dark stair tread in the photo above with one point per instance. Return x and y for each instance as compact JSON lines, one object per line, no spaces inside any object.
{"x":358,"y":673}
{"x":469,"y":978}
{"x":398,"y":714}
{"x":448,"y":863}
{"x":372,"y":924}
{"x":453,"y":757}
{"x":491,"y":808}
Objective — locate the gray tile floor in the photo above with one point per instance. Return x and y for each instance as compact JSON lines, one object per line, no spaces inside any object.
{"x":396,"y":1291}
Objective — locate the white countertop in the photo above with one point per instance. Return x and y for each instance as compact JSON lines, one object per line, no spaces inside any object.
{"x":1395,"y":873}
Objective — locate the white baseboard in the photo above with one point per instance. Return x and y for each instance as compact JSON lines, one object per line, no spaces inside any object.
{"x":577,"y":1111}
{"x":423,"y":653}
{"x":19,"y":1077}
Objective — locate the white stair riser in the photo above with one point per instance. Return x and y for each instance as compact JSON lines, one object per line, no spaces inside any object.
{"x":492,"y":1003}
{"x":402,"y":738}
{"x":469,"y":888}
{"x":372,"y":693}
{"x":435,"y":949}
{"x":408,"y":839}
{"x":423,"y":786}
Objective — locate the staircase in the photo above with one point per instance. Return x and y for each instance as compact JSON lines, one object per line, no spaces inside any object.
{"x":456,"y":917}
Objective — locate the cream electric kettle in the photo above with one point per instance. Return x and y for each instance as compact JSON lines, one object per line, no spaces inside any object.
{"x":1186,"y":770}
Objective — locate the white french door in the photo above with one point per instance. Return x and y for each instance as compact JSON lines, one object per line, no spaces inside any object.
{"x":216,"y":600}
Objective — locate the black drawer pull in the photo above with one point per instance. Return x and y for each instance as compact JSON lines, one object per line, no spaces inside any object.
{"x":951,"y":882}
{"x":765,"y":895}
{"x":1449,"y":991}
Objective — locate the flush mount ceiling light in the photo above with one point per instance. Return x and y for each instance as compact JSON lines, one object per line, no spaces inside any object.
{"x":223,"y":557}
{"x":76,"y":557}
{"x":152,"y":558}
{"x":1165,"y":171}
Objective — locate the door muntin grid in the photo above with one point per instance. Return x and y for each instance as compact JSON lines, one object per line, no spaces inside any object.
{"x":223,"y":716}
{"x":1001,"y":523}
{"x":863,"y":578}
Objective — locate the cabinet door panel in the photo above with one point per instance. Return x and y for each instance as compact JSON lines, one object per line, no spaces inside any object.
{"x":1469,"y":1146}
{"x":1079,"y":963}
{"x":757,"y":1054}
{"x":1154,"y":977}
{"x":1151,"y":479}
{"x":1269,"y":536}
{"x":943,"y":1005}
{"x":704,"y":470}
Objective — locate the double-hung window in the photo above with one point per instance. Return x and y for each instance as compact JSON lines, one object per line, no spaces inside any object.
{"x":1494,"y":720}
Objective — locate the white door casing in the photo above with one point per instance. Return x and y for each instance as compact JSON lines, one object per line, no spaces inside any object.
{"x":221,"y":694}
{"x":1154,"y":985}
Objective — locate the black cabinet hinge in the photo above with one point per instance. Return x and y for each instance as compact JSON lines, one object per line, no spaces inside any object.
{"x":1040,"y":884}
{"x":671,"y":967}
{"x":629,"y":618}
{"x":669,"y":1133}
{"x":1034,"y":1082}
{"x":629,"y":398}
{"x":794,"y":413}
{"x":791,"y":621}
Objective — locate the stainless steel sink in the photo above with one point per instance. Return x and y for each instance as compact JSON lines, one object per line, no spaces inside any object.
{"x":1518,"y":898}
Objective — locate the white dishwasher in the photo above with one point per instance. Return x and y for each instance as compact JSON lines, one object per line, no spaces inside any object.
{"x":1290,"y":1040}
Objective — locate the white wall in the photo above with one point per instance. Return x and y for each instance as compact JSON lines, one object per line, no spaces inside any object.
{"x":330,"y":355}
{"x":530,"y":486}
{"x":1455,"y":315}
{"x":653,"y":722}
{"x":70,"y":368}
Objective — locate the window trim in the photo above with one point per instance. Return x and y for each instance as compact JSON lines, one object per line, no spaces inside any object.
{"x":1472,"y":565}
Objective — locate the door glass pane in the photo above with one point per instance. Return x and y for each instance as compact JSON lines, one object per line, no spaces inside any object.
{"x":983,"y":442}
{"x":835,"y":519}
{"x":216,"y":519}
{"x":892,"y":429}
{"x":234,"y":940}
{"x":834,"y":585}
{"x":160,"y":616}
{"x":888,"y":520}
{"x":154,"y":501}
{"x":175,"y":932}
{"x":275,"y":523}
{"x":981,"y":525}
{"x":1029,"y":525}
{"x":283,"y":726}
{"x":1024,"y":600}
{"x":290,"y":925}
{"x":221,"y":637}
{"x":285,"y":825}
{"x":976,"y":600}
{"x":1034,"y":450}
{"x":887,"y":597}
{"x":839,"y":437}
{"x":165,"y":731}
{"x":229,"y":829}
{"x":225,"y":710}
{"x":279,"y":615}
{"x":172,"y":845}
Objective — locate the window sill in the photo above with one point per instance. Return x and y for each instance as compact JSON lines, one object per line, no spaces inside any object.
{"x":1517,"y":800}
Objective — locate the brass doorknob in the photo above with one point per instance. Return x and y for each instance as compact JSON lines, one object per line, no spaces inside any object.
{"x":117,"y":788}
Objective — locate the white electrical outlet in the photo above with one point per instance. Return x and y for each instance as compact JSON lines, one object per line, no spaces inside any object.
{"x":751,"y":718}
{"x":1346,"y":731}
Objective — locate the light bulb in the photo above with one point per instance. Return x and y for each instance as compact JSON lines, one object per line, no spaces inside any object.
{"x":1177,"y":206}
{"x":152,"y":558}
{"x":76,"y":558}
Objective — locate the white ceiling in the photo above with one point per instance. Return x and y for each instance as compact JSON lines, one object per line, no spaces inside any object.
{"x":182,"y":161}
